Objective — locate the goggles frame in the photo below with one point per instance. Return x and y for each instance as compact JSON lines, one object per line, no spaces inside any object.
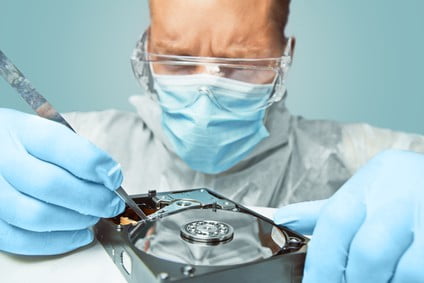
{"x":141,"y":61}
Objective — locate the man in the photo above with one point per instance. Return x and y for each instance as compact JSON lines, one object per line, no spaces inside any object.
{"x":214,"y":116}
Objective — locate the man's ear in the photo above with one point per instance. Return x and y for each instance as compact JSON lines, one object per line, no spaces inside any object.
{"x":290,"y":46}
{"x":293,"y":46}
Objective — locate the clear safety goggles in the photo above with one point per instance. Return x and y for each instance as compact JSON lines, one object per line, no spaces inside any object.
{"x":246,"y":71}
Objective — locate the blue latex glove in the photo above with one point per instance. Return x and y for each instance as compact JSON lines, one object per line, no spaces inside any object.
{"x":372,"y":229}
{"x":54,"y":184}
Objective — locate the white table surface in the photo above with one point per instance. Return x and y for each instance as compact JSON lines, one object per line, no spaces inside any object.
{"x":90,"y":264}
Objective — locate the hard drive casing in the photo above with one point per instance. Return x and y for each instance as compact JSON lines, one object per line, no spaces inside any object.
{"x":130,"y":247}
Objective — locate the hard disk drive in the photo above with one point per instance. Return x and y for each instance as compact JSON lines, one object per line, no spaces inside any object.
{"x":200,"y":236}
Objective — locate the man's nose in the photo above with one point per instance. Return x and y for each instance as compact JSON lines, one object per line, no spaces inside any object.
{"x":210,"y":69}
{"x":204,"y":107}
{"x":206,"y":93}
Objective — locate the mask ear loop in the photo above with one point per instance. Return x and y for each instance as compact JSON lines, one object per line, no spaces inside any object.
{"x":289,"y":47}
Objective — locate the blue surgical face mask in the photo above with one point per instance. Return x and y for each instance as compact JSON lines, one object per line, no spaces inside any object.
{"x":204,"y":134}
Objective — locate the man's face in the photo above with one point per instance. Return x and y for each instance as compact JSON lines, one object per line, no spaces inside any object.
{"x":216,"y":28}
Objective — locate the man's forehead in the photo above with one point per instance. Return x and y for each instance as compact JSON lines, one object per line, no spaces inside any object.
{"x":179,"y":47}
{"x":235,"y":14}
{"x":191,"y":26}
{"x":223,"y":6}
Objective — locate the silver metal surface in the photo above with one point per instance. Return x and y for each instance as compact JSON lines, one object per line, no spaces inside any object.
{"x":207,"y":231}
{"x":248,"y":238}
{"x":44,"y":109}
{"x":35,"y":100}
{"x":173,"y":203}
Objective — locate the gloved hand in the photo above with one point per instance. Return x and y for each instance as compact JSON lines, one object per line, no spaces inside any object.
{"x":54,"y":184}
{"x":372,"y":229}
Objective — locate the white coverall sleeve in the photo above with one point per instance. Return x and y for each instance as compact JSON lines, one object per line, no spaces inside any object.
{"x":360,"y":142}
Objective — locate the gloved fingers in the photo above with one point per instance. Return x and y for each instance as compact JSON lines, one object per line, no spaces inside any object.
{"x":300,"y":217}
{"x":19,"y":241}
{"x":55,"y":143}
{"x":379,"y":244}
{"x":328,"y":249}
{"x":50,"y":183}
{"x":31,"y":214}
{"x":410,"y":267}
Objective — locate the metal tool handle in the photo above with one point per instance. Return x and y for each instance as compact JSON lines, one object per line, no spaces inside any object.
{"x":44,"y":109}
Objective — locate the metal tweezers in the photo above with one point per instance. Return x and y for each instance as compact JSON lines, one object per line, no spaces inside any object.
{"x":44,"y":109}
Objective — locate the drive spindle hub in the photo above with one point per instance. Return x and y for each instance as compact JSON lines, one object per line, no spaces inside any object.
{"x":207,"y":231}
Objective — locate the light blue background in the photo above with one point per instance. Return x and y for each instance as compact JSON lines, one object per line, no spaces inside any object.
{"x":355,"y":60}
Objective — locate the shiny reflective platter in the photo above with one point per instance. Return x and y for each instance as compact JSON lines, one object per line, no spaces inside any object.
{"x":210,"y":237}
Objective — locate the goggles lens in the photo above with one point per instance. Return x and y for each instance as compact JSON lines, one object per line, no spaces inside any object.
{"x":250,"y":73}
{"x":244,"y":73}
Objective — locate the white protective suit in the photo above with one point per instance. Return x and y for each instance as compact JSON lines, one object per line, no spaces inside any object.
{"x":300,"y":160}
